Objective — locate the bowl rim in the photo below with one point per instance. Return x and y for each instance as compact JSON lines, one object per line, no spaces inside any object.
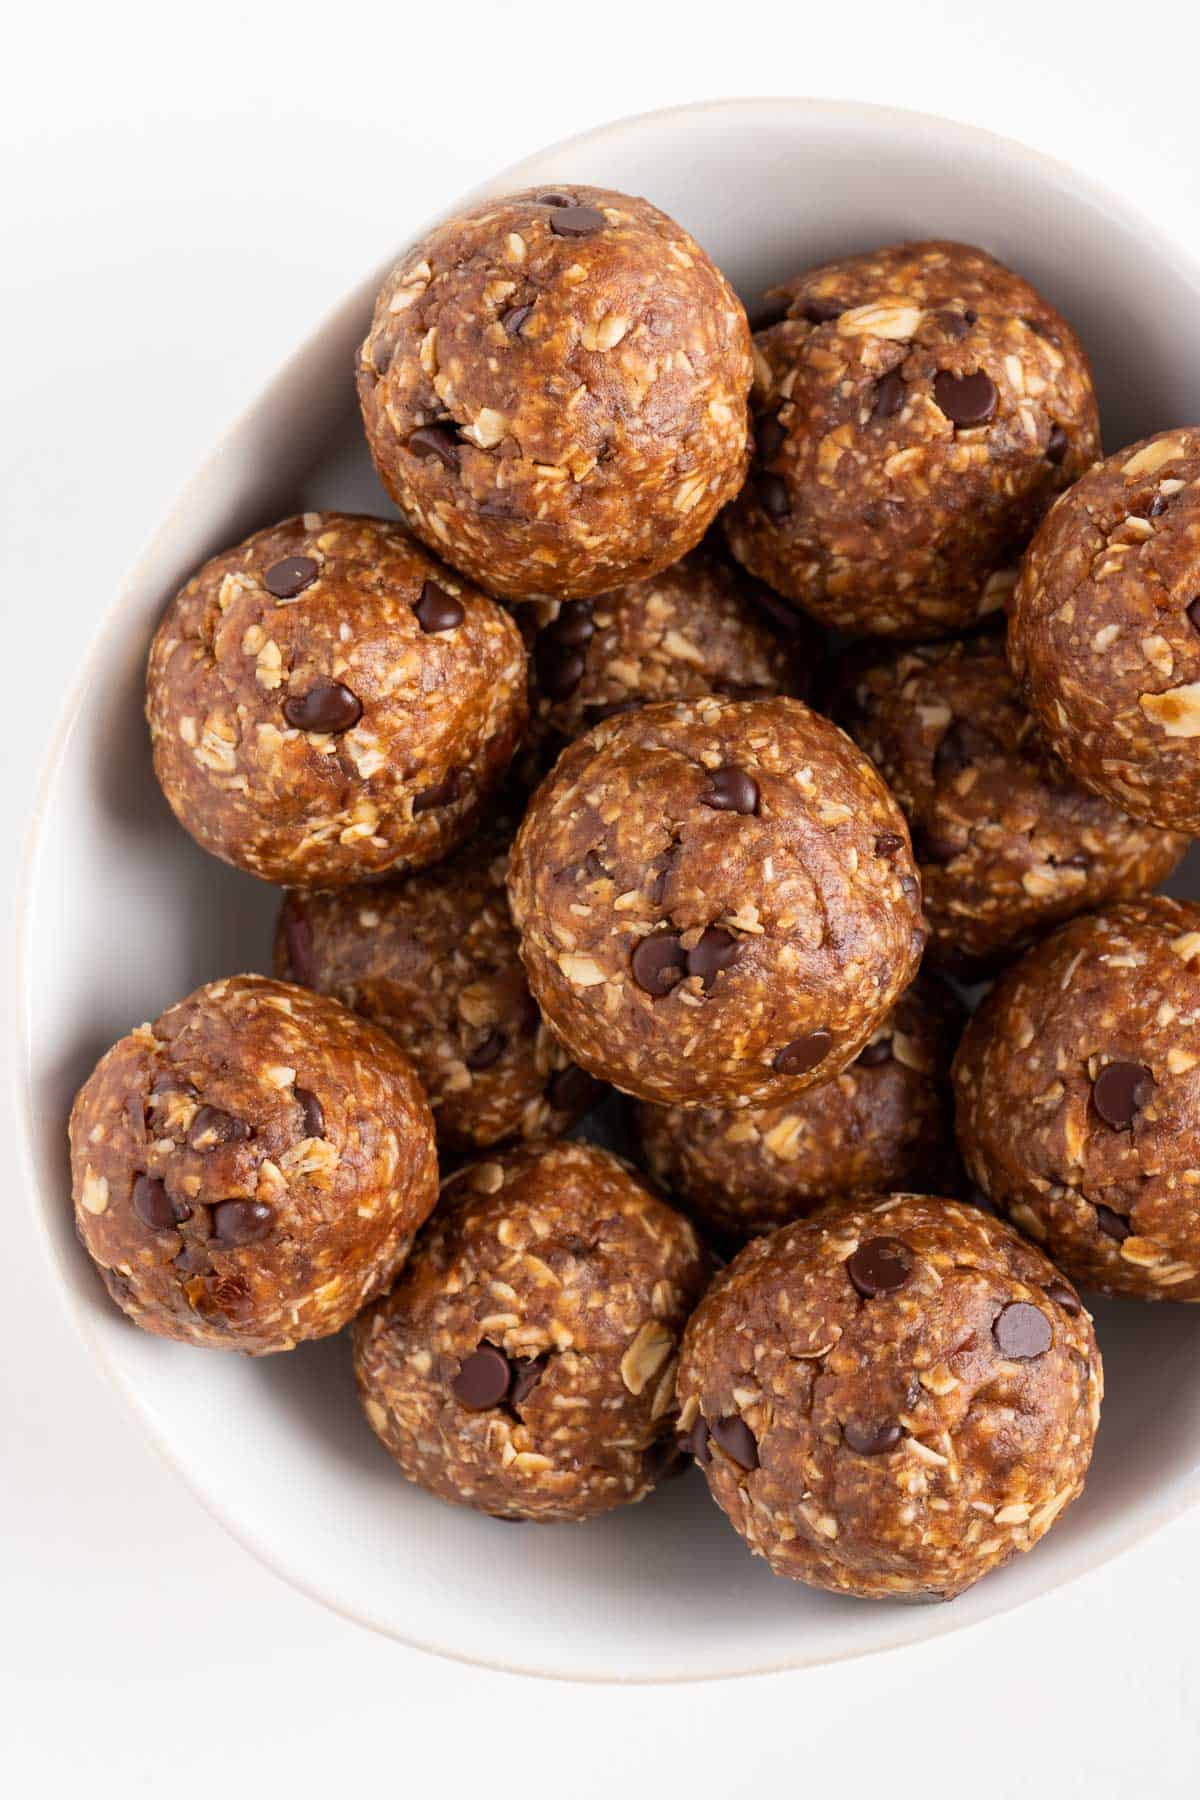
{"x":908,"y":122}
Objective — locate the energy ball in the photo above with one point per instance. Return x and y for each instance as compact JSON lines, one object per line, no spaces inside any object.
{"x":716,"y":900}
{"x":917,"y":410}
{"x":1105,"y":629}
{"x":251,"y":1169}
{"x":892,"y":1398}
{"x":1078,"y":1093}
{"x":1008,"y":844}
{"x":524,"y":1364}
{"x":554,"y":388}
{"x":433,"y":961}
{"x":883,"y":1124}
{"x":328,"y":703}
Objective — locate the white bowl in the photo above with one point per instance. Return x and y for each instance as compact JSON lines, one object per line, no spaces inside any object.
{"x":123,"y":914}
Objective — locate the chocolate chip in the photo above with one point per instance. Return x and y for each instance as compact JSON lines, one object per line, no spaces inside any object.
{"x":574,"y":624}
{"x":820,"y":312}
{"x":1057,"y":445}
{"x":731,"y":789}
{"x":965,"y":399}
{"x":328,"y":706}
{"x":571,"y":1090}
{"x":290,"y":577}
{"x":559,"y":667}
{"x":769,"y":437}
{"x":658,"y":963}
{"x":577,"y":222}
{"x":890,"y":390}
{"x":527,"y":1371}
{"x":312,"y":1113}
{"x":237,"y":1222}
{"x":1022,"y":1331}
{"x":298,"y":943}
{"x":879,"y":1266}
{"x":716,"y":950}
{"x":871,"y":1055}
{"x":735,"y":1438}
{"x":962,"y":744}
{"x":1112,"y":1224}
{"x":1041,"y":329}
{"x":695,"y":1442}
{"x":514,"y":318}
{"x":443,"y":793}
{"x":803,"y":1053}
{"x":955,"y":324}
{"x":1193,"y":613}
{"x":154,"y":1206}
{"x":211,"y":1127}
{"x":439,"y":440}
{"x":772,"y":495}
{"x":1120,"y":1091}
{"x":871,"y":1440}
{"x":437,"y":610}
{"x":488,"y":1051}
{"x":888,"y":843}
{"x":483,"y":1379}
{"x":1063,"y":1296}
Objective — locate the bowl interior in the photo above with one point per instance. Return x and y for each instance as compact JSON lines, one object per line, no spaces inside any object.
{"x":125,"y":915}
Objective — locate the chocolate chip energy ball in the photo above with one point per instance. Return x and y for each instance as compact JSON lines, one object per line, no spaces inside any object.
{"x":1078,"y":1090}
{"x":1105,"y":629}
{"x":883,"y":1124}
{"x":892,"y":1398}
{"x":249,"y":1170}
{"x":1008,"y":844}
{"x":554,"y":388}
{"x":327,"y":702}
{"x":433,"y":961}
{"x":716,"y":901}
{"x":917,"y":410}
{"x":524,"y":1364}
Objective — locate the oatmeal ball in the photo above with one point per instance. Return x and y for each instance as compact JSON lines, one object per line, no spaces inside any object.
{"x":917,"y":410}
{"x":1078,"y":1095}
{"x":1008,"y":844}
{"x":554,"y":388}
{"x":1105,"y":629}
{"x":524,"y":1363}
{"x":891,"y":1398}
{"x":716,"y":900}
{"x":883,"y":1124}
{"x":251,"y":1169}
{"x":433,"y":961}
{"x":328,"y":703}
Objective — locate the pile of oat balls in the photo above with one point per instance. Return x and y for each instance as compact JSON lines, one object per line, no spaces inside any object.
{"x":722,"y":710}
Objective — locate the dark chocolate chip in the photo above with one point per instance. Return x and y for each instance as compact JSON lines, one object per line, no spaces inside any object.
{"x":965,"y":399}
{"x":559,"y":667}
{"x":955,"y":324}
{"x":890,"y":390}
{"x":328,"y":706}
{"x":735,"y":1438}
{"x":1112,"y":1224}
{"x":873,"y":1054}
{"x":483,"y":1379}
{"x":1063,"y":1296}
{"x":1057,"y":445}
{"x":1120,"y":1091}
{"x":290,"y":577}
{"x":237,"y":1222}
{"x":871,"y":1440}
{"x":820,"y":312}
{"x":716,"y":950}
{"x":311,"y":1111}
{"x":154,"y":1206}
{"x":658,"y":963}
{"x":574,"y":624}
{"x":772,"y":495}
{"x":888,"y":843}
{"x":1022,"y":1331}
{"x":731,"y":789}
{"x":769,"y":437}
{"x":962,"y":744}
{"x":437,"y":610}
{"x":443,"y":793}
{"x":879,"y":1266}
{"x":803,"y":1053}
{"x":577,"y":222}
{"x":1193,"y":613}
{"x":438,"y":440}
{"x":527,"y":1371}
{"x":695,"y":1442}
{"x":571,"y":1090}
{"x":298,"y":943}
{"x":211,"y":1127}
{"x":514,"y":318}
{"x":488,"y":1051}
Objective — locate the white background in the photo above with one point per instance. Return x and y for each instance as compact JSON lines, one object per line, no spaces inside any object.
{"x":183,"y":192}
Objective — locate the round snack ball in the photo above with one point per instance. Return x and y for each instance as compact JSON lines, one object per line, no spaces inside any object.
{"x":891,"y":1398}
{"x":716,"y":900}
{"x":433,"y":961}
{"x":1105,"y":629}
{"x":554,"y":389}
{"x":884,"y":1123}
{"x":327,"y":702}
{"x":524,"y":1363}
{"x":251,"y":1169}
{"x":1008,"y":845}
{"x":917,"y":410}
{"x":1078,"y":1098}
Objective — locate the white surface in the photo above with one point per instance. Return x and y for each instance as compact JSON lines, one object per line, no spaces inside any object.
{"x":185,"y":208}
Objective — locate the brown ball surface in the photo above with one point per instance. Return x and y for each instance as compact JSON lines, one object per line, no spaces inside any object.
{"x":1007,"y":843}
{"x":716,"y":901}
{"x":433,"y":961}
{"x":917,"y":410}
{"x":1078,"y":1096}
{"x":524,"y":1364}
{"x":327,"y":702}
{"x":892,"y":1398}
{"x":1102,"y":633}
{"x":251,"y":1169}
{"x":883,"y":1124}
{"x":554,"y":389}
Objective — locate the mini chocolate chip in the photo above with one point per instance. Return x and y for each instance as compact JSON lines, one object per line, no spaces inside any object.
{"x":769,"y":437}
{"x":574,"y":624}
{"x":965,"y":399}
{"x":527,"y":1371}
{"x":559,"y":667}
{"x":1022,"y":1331}
{"x":154,"y":1206}
{"x":887,"y":843}
{"x":694,"y":1442}
{"x":820,"y":312}
{"x":954,"y":324}
{"x":716,"y":950}
{"x":514,"y":318}
{"x":890,"y":390}
{"x":879,"y":1266}
{"x":735,"y":1438}
{"x":1120,"y":1091}
{"x":1193,"y":613}
{"x":437,"y":440}
{"x":1057,"y":445}
{"x":577,"y":222}
{"x":871,"y":1440}
{"x":962,"y":744}
{"x":772,"y":495}
{"x":311,"y":1111}
{"x":488,"y":1051}
{"x":298,"y":943}
{"x":658,"y":963}
{"x":1112,"y":1224}
{"x":803,"y":1053}
{"x":483,"y":1379}
{"x":971,"y":316}
{"x":237,"y":1222}
{"x":436,"y":610}
{"x":731,"y":789}
{"x":290,"y":577}
{"x":1063,"y":1296}
{"x":871,"y":1055}
{"x":211,"y":1127}
{"x":1042,"y":330}
{"x":571,"y":1090}
{"x":328,"y":706}
{"x":443,"y":793}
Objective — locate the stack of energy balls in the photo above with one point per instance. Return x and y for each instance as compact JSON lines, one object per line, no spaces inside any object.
{"x":542,"y":774}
